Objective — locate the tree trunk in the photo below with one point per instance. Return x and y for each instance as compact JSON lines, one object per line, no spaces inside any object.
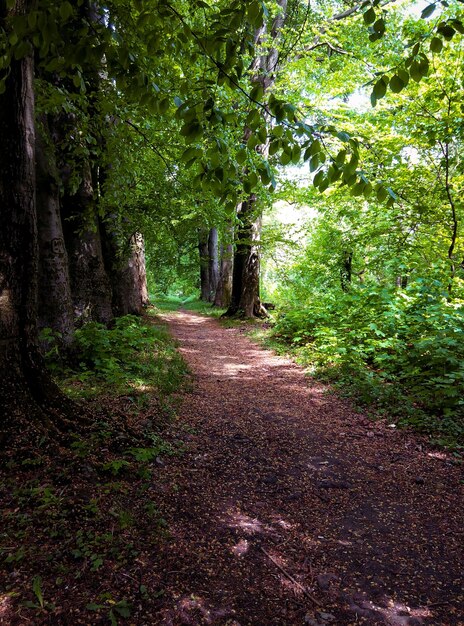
{"x":223,"y":295}
{"x":55,"y":308}
{"x":213,"y":263}
{"x":346,"y":270}
{"x":204,"y":264}
{"x":27,"y":394}
{"x":125,"y":265}
{"x":245,"y":299}
{"x":90,"y":285}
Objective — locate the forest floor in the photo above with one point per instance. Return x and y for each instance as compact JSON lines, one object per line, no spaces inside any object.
{"x":266,"y":501}
{"x":289,"y":507}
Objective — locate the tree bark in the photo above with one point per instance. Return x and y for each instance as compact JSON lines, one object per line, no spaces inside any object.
{"x":204,"y":263}
{"x":55,"y":308}
{"x":29,"y":400}
{"x":213,"y":263}
{"x":245,"y":300}
{"x":90,"y":285}
{"x":346,"y":270}
{"x":125,"y":265}
{"x":223,"y":295}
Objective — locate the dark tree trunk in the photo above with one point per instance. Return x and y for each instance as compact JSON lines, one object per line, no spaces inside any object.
{"x":402,"y":282}
{"x":28,"y":397}
{"x":245,"y":299}
{"x":213,"y":262}
{"x":55,"y":308}
{"x":223,"y":295}
{"x":346,"y":270}
{"x":204,"y":263}
{"x":90,"y":285}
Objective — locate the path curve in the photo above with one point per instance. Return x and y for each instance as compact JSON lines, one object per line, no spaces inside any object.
{"x":290,"y":508}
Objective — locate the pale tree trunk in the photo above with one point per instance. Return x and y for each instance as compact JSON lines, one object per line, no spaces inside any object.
{"x":90,"y":285}
{"x":55,"y":308}
{"x":140,"y":267}
{"x":204,"y":263}
{"x":213,"y":263}
{"x":245,"y":300}
{"x":28,"y":397}
{"x":224,"y":289}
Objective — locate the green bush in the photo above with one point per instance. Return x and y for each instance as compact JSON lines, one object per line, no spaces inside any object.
{"x":392,"y":347}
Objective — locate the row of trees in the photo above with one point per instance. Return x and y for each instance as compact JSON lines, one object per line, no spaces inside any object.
{"x":118,"y":119}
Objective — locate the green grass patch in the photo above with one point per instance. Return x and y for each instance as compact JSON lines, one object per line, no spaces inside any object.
{"x":136,"y":357}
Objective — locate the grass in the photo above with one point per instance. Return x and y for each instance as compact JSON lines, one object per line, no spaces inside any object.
{"x":136,"y":358}
{"x":175,"y":303}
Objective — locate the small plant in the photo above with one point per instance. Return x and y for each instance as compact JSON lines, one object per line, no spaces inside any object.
{"x":113,"y":609}
{"x":40,"y":603}
{"x":116,"y":466}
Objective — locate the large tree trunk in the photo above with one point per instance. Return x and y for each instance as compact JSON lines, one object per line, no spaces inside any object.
{"x":55,"y":308}
{"x":90,"y":285}
{"x":245,"y":299}
{"x":28,"y":397}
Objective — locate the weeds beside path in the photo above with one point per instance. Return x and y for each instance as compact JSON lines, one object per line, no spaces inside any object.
{"x":290,"y":508}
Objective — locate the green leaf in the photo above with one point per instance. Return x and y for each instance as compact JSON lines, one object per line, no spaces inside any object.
{"x":274,"y":147}
{"x":257,"y":92}
{"x":427,"y":12}
{"x":381,"y":193}
{"x":396,"y":84}
{"x":404,"y":75}
{"x":255,"y":13}
{"x":391,"y":193}
{"x":369,"y":16}
{"x":379,"y":26}
{"x":315,"y":147}
{"x":296,"y":154}
{"x":37,"y":589}
{"x":358,"y":189}
{"x":314,"y":163}
{"x":458,"y":25}
{"x":318,"y":178}
{"x":241,"y":156}
{"x":380,"y":88}
{"x":66,"y":10}
{"x":446,"y":31}
{"x":415,"y":72}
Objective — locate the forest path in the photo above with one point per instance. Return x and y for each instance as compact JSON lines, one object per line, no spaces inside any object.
{"x":288,"y":507}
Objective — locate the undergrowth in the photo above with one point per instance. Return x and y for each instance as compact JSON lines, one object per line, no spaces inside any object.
{"x":399,"y":353}
{"x":82,"y":527}
{"x":136,"y":357}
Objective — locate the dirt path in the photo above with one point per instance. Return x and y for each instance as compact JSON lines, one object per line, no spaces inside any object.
{"x":290,"y":508}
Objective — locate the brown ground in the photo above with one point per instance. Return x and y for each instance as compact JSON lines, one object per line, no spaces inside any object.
{"x":286,"y":508}
{"x":289,"y":508}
